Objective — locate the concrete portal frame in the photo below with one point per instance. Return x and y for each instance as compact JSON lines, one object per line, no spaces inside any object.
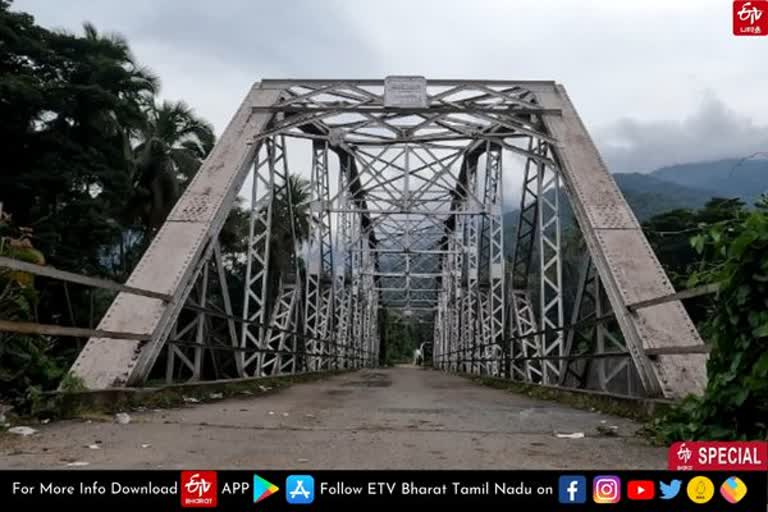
{"x":412,"y":177}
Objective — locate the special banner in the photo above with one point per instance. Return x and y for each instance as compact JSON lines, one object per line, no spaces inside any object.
{"x":353,"y":490}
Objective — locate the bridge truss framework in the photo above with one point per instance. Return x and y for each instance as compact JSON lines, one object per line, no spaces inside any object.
{"x":405,"y":207}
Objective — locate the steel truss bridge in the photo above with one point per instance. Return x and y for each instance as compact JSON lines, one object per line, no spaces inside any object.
{"x":407,"y":183}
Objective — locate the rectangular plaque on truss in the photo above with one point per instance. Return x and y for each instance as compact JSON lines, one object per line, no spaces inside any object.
{"x":405,"y":92}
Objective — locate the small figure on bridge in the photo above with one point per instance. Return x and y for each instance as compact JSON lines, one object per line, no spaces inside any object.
{"x":417,"y":357}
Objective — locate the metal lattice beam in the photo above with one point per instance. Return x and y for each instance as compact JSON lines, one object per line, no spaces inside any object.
{"x":415,"y":224}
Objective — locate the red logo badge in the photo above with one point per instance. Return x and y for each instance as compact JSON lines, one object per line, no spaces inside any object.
{"x":640,"y":490}
{"x":199,"y":489}
{"x":718,"y":456}
{"x":750,"y":17}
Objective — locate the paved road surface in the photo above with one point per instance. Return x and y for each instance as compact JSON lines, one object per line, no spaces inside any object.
{"x":398,"y":418}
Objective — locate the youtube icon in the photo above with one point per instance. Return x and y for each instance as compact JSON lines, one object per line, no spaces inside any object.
{"x":641,"y":490}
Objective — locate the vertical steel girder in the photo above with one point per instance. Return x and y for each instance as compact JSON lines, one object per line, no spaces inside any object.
{"x":538,"y":232}
{"x":457,"y":295}
{"x":527,"y":345}
{"x":524,"y":344}
{"x":342,"y":284}
{"x":367,"y":305}
{"x":319,"y":302}
{"x":269,"y":170}
{"x":483,"y":351}
{"x":363,"y":301}
{"x":493,"y":203}
{"x":527,"y":222}
{"x":357,"y":302}
{"x":472,"y":297}
{"x":442,"y":321}
{"x":550,"y":271}
{"x":281,"y":354}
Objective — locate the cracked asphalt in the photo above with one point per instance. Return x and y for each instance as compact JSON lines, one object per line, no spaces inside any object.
{"x":393,"y":418}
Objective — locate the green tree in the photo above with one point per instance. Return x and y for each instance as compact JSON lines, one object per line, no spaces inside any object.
{"x":670,"y":233}
{"x":81,"y":132}
{"x":25,"y":360}
{"x":401,"y":336}
{"x":173,"y":143}
{"x":68,"y":104}
{"x":735,"y":402}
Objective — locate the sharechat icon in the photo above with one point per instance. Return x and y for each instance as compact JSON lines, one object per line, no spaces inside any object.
{"x":733,"y":490}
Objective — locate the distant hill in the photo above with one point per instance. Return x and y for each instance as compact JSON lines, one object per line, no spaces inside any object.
{"x":679,"y":186}
{"x":725,"y":178}
{"x":648,"y":195}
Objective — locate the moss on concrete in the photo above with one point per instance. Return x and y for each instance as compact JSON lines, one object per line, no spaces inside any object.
{"x":102,"y":404}
{"x":639,"y":409}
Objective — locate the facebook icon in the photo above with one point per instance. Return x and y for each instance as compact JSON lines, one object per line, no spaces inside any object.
{"x":572,"y":489}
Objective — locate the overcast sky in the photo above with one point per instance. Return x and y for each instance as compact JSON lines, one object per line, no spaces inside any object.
{"x":657,"y":82}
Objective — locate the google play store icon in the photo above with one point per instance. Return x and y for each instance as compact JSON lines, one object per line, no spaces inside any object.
{"x":262,"y":489}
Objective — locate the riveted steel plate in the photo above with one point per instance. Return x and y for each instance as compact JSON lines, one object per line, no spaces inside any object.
{"x":637,"y":271}
{"x":195,"y":207}
{"x":607,"y":214}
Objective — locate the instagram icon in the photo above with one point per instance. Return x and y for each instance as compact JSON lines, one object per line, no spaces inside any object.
{"x":606,"y":489}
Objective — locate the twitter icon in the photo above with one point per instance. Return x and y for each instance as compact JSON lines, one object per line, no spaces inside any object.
{"x":669,"y":491}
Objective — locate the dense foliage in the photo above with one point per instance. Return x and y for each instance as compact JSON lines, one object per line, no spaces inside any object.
{"x":401,"y":335}
{"x":670,"y":233}
{"x":92,"y":162}
{"x":28,"y":362}
{"x":735,"y":403}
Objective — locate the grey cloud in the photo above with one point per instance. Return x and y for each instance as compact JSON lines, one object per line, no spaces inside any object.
{"x":300,"y":36}
{"x":714,"y":131}
{"x":208,"y":53}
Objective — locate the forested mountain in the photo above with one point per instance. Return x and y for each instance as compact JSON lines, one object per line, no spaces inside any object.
{"x":746,"y":179}
{"x":649,"y":195}
{"x":687,"y":186}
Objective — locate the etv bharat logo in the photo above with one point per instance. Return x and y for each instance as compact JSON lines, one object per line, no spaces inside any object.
{"x":199,"y":489}
{"x":684,"y":454}
{"x":750,"y":17}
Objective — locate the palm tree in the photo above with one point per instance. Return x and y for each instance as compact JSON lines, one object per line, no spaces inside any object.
{"x":290,"y":200}
{"x":114,"y":69}
{"x":97,"y":98}
{"x":173,"y":144}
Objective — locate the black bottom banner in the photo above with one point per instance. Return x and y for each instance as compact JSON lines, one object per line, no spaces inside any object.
{"x":541,"y":491}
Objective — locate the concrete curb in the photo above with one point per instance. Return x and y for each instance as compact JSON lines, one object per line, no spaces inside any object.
{"x":637,"y":408}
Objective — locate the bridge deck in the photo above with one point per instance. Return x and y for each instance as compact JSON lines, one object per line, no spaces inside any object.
{"x":400,"y":418}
